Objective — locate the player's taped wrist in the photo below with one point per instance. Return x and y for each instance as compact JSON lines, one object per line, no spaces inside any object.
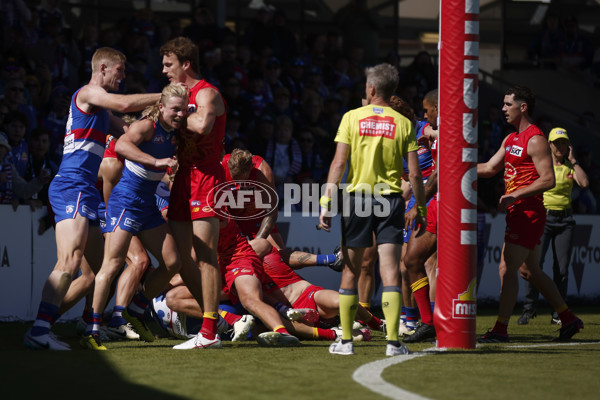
{"x":325,"y":201}
{"x":422,"y":211}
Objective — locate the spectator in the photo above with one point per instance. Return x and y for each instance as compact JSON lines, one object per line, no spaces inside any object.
{"x":313,"y":168}
{"x":283,"y":154}
{"x":232,"y":130}
{"x":272,"y":77}
{"x":263,"y":135}
{"x":39,"y":164}
{"x":422,"y":74}
{"x":258,"y":35}
{"x":59,"y":53}
{"x":576,"y":50}
{"x":16,"y":126}
{"x":284,"y":40}
{"x":88,"y":44}
{"x":254,"y":94}
{"x":314,"y":81}
{"x":56,"y":121}
{"x":293,"y":80}
{"x":312,"y":116}
{"x":234,"y":99}
{"x":11,"y":184}
{"x":280,"y":104}
{"x":230,"y":66}
{"x":545,"y":47}
{"x":203,"y":30}
{"x":14,"y":98}
{"x":360,"y":28}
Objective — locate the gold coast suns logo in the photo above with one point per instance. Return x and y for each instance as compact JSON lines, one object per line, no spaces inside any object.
{"x":509,"y":171}
{"x":465,"y":305}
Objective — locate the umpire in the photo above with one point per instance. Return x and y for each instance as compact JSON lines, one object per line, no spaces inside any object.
{"x":559,"y":220}
{"x":373,"y":139}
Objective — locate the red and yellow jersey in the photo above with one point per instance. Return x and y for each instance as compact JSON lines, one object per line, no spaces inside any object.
{"x":205,"y":149}
{"x":232,"y":244}
{"x":519,"y":169}
{"x":248,"y":224}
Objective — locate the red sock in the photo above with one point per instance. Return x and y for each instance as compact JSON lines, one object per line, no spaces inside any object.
{"x":500,"y":327}
{"x":424,"y":304}
{"x":229,"y":317}
{"x":209,"y":325}
{"x":567,"y":317}
{"x":281,"y":329}
{"x":324,"y":334}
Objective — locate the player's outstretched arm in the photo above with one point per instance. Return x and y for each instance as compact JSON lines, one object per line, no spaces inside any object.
{"x":92,"y":96}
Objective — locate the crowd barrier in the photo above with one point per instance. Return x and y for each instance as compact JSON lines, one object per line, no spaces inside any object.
{"x":26,"y":258}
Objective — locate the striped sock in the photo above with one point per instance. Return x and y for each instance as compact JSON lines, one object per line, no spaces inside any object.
{"x":97,"y":321}
{"x":47,"y":313}
{"x":117,"y":317}
{"x":412,"y":317}
{"x":138,"y":305}
{"x":230,"y":318}
{"x":403,"y":314}
{"x":280,"y":329}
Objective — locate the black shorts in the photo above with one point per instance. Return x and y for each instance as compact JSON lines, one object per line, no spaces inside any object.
{"x":366,"y":214}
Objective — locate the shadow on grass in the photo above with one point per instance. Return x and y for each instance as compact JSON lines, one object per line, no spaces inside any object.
{"x":76,"y":374}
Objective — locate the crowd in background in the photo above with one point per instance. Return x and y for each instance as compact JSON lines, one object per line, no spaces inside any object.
{"x":285,"y":97}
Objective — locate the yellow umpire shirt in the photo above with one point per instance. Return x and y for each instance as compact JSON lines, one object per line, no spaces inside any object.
{"x":378,"y":138}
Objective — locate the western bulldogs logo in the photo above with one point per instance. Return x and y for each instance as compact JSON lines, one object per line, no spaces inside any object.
{"x":70,"y":209}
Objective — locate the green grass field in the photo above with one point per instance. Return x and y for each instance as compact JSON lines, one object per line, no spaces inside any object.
{"x":530,"y":367}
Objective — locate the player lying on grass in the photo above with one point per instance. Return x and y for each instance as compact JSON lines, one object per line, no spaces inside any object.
{"x":305,"y":304}
{"x":244,"y":281}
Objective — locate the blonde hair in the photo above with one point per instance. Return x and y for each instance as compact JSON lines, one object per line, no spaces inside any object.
{"x":106,"y":55}
{"x":240,"y":162}
{"x":129,"y":119}
{"x":173,"y":90}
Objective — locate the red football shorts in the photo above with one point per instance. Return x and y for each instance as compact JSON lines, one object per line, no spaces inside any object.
{"x":193,"y":193}
{"x":432,"y":214}
{"x":525,"y":225}
{"x":233,"y":268}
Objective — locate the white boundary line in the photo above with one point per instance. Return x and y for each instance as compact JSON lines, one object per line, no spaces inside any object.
{"x":369,"y":375}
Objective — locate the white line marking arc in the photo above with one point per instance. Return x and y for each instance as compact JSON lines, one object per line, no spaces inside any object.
{"x":369,"y":375}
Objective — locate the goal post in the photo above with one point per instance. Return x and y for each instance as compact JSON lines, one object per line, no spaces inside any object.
{"x":456,"y":302}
